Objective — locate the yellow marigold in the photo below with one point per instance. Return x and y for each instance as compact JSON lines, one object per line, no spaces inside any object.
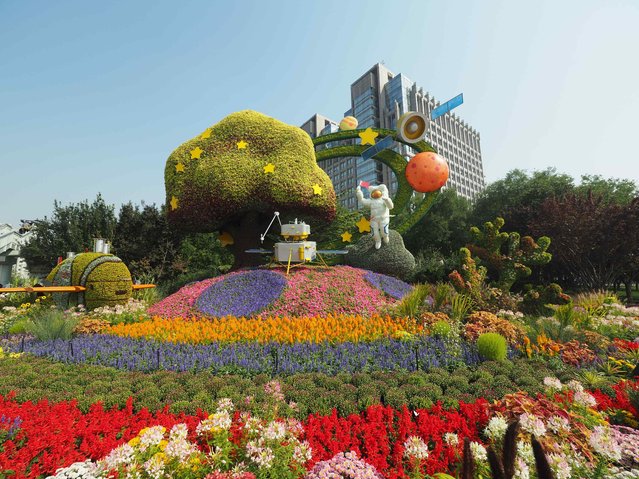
{"x":269,"y":329}
{"x":134,"y":442}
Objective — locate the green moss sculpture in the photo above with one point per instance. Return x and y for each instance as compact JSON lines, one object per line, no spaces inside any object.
{"x":392,"y":259}
{"x":106,"y":278}
{"x":238,"y":172}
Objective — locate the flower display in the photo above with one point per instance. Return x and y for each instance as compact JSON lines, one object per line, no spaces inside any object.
{"x":180,"y":303}
{"x":393,"y":287}
{"x":306,"y":291}
{"x":242,"y":294}
{"x":338,"y":290}
{"x":281,"y":329}
{"x":344,"y":465}
{"x":146,"y":355}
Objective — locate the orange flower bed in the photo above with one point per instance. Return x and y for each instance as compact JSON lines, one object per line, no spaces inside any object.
{"x":338,"y":328}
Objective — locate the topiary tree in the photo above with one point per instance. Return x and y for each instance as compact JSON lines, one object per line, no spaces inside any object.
{"x":237,"y":173}
{"x":469,"y":278}
{"x":507,"y":255}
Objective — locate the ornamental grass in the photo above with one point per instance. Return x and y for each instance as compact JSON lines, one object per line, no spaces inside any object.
{"x":290,"y":330}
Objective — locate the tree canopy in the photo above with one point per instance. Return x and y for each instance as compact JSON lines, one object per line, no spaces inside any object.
{"x":70,"y":228}
{"x":237,"y":173}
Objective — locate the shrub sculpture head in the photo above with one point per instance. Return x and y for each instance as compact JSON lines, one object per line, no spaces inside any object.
{"x":106,"y":278}
{"x":492,"y":346}
{"x":238,"y":172}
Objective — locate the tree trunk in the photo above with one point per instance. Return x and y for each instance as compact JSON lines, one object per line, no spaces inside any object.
{"x":246,"y":233}
{"x":628,"y":285}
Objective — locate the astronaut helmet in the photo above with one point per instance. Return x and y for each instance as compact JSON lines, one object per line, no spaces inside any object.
{"x":377,"y":191}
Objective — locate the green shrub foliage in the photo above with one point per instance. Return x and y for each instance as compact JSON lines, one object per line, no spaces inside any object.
{"x":492,"y":346}
{"x":34,"y":378}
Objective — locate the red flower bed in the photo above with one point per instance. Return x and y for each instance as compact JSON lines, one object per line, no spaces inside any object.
{"x":379,"y":433}
{"x":57,"y":435}
{"x":620,"y":401}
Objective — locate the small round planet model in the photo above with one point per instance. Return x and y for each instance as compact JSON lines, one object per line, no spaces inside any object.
{"x":348,"y":123}
{"x":426,"y":172}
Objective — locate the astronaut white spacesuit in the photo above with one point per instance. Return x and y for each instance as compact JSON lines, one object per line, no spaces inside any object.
{"x":380,"y":205}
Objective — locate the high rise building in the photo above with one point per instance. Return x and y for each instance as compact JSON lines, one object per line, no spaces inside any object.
{"x":378,"y":99}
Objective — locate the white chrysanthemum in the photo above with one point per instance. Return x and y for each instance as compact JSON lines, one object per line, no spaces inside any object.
{"x":521,"y":469}
{"x":253,"y":425}
{"x":219,"y":421}
{"x":496,"y":427}
{"x":154,"y":467}
{"x":415,"y":447}
{"x":525,"y":451}
{"x":274,"y":431}
{"x":604,"y":443}
{"x":302,"y":452}
{"x":575,"y":386}
{"x":559,"y":465}
{"x":259,"y":454}
{"x":151,"y":436}
{"x":553,"y":383}
{"x":225,"y":404}
{"x":120,"y":455}
{"x":558,"y":424}
{"x":78,"y":470}
{"x":451,"y":438}
{"x":532,"y":424}
{"x":585,"y":399}
{"x":180,"y":448}
{"x":179,"y":431}
{"x":478,"y":451}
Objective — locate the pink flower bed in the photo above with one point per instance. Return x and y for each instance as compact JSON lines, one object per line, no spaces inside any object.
{"x":180,"y":303}
{"x":338,"y":290}
{"x":310,"y":292}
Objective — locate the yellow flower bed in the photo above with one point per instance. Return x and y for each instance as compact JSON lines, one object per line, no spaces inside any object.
{"x":339,"y":328}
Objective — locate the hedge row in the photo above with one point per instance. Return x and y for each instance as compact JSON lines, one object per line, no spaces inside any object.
{"x":37,"y":378}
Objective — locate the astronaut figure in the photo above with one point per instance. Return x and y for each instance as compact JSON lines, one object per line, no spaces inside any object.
{"x":380,"y":205}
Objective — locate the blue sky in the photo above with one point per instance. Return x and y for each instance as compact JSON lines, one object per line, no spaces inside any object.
{"x":94,"y":96}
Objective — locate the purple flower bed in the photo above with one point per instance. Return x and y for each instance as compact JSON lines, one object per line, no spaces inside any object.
{"x":393,"y":287}
{"x":242,"y":294}
{"x":254,"y":358}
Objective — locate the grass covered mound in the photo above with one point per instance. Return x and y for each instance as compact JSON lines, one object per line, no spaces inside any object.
{"x":306,"y":291}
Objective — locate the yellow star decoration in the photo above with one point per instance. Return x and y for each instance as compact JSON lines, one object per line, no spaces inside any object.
{"x":196,"y":153}
{"x":226,"y":238}
{"x":179,"y":168}
{"x":241,"y":145}
{"x":368,"y":136}
{"x":363,"y":224}
{"x":206,"y":134}
{"x":269,"y":168}
{"x":346,"y":237}
{"x":317,"y":189}
{"x":174,"y":203}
